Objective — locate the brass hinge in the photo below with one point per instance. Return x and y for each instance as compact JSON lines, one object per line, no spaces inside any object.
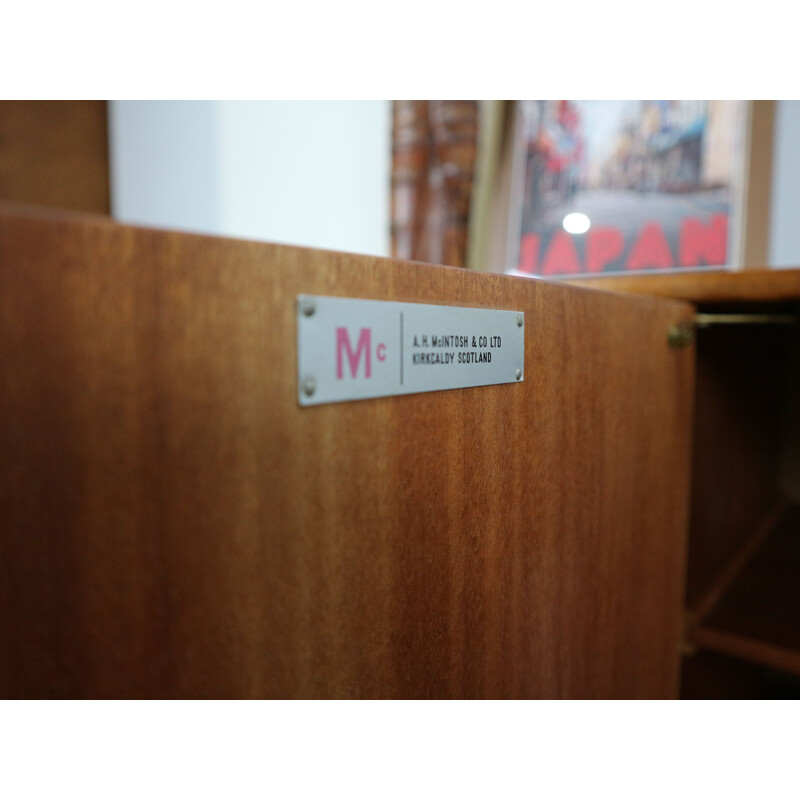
{"x":682,"y":334}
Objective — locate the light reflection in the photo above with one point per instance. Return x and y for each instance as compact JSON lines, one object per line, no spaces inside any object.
{"x":576,"y":223}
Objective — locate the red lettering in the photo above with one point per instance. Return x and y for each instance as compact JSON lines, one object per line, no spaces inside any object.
{"x":603,"y":245}
{"x":528,"y":252}
{"x":381,"y":352}
{"x":704,"y":243}
{"x":650,"y":250}
{"x":343,"y":345}
{"x":562,"y":257}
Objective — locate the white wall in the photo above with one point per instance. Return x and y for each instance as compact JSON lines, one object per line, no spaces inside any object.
{"x":313,"y":173}
{"x":784,"y":229}
{"x":165,"y":164}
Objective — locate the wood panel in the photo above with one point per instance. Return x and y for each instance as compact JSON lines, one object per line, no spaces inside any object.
{"x":754,"y":241}
{"x":745,"y":440}
{"x":750,"y":286}
{"x":175,"y":525}
{"x":55,"y":153}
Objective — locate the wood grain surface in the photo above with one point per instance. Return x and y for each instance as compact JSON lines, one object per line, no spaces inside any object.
{"x":55,"y":153}
{"x":751,"y":286}
{"x":741,"y":576}
{"x":175,"y":525}
{"x":754,"y":238}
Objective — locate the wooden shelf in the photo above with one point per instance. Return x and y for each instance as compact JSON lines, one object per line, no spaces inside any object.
{"x":751,"y":286}
{"x":758,"y":617}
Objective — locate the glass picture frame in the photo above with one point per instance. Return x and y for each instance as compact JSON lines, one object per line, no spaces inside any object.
{"x":610,"y":187}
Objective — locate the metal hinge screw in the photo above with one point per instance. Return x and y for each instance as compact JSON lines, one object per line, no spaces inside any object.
{"x":681,"y":335}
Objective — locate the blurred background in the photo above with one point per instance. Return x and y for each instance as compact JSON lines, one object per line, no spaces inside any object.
{"x":438,"y":181}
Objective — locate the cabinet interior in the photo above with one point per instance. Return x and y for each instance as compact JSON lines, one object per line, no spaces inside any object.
{"x":742,"y":587}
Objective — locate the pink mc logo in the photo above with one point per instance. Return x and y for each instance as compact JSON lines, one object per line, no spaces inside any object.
{"x":344,"y":348}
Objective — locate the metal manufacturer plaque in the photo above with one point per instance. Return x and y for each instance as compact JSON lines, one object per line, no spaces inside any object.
{"x":356,"y":349}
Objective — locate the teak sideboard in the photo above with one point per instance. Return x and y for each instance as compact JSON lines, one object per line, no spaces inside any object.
{"x":175,"y":525}
{"x":742,"y":620}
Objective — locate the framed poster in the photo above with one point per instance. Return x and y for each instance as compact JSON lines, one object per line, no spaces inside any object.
{"x":611,"y":186}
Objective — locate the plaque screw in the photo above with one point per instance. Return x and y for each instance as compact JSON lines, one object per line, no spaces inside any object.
{"x":309,"y":307}
{"x":519,"y":320}
{"x":519,"y":374}
{"x":309,"y":386}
